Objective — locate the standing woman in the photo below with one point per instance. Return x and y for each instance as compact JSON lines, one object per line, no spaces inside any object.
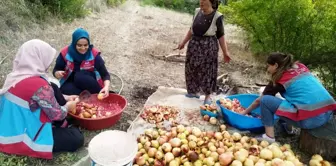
{"x":202,"y":52}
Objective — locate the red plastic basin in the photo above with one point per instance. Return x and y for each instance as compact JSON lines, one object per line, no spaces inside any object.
{"x":106,"y":122}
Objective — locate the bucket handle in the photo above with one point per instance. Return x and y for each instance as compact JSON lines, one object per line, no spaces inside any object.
{"x":131,"y":127}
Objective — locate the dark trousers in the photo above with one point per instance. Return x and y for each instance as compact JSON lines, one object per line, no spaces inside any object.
{"x":82,"y":80}
{"x":67,"y":139}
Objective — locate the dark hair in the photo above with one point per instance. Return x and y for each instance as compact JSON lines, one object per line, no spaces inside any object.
{"x":284,"y":61}
{"x":215,"y":4}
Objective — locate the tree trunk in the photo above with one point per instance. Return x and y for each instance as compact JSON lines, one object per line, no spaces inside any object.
{"x":321,"y":141}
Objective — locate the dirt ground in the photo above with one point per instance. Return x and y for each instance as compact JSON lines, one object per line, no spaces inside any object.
{"x":128,"y":36}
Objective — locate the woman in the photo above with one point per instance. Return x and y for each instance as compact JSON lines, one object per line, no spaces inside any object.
{"x":307,"y":103}
{"x":28,"y":107}
{"x":81,"y":67}
{"x":202,"y":53}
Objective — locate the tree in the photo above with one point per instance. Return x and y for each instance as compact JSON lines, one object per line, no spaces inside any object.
{"x":304,"y":28}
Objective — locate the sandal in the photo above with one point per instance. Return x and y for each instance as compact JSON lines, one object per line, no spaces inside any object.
{"x":192,"y":96}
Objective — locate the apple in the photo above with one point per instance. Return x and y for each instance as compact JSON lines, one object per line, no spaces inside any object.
{"x":100,"y":96}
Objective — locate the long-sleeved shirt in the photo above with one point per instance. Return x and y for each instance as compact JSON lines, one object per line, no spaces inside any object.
{"x":272,"y":90}
{"x":99,"y":65}
{"x":44,"y":98}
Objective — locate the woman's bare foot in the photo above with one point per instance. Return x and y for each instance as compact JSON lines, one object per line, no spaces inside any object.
{"x":207,"y":99}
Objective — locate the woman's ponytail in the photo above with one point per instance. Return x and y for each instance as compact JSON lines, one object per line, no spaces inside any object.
{"x":284,"y":61}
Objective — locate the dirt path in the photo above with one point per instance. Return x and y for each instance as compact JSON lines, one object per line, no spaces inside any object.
{"x":127,"y":36}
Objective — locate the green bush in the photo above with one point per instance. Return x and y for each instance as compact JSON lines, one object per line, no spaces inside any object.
{"x":178,"y":5}
{"x":305,"y":28}
{"x":114,"y":2}
{"x":38,"y":11}
{"x":65,"y":9}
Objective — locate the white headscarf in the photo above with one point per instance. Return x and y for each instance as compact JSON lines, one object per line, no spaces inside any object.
{"x":33,"y":59}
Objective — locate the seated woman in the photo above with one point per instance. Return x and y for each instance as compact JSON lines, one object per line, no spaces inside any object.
{"x":81,"y":67}
{"x":307,"y":103}
{"x":28,"y":107}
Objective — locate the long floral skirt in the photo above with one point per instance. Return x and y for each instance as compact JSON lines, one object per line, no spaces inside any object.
{"x":201,"y":65}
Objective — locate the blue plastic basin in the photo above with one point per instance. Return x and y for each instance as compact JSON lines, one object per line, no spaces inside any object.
{"x":243,"y":122}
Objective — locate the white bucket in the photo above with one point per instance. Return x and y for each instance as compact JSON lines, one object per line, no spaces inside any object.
{"x":113,"y":148}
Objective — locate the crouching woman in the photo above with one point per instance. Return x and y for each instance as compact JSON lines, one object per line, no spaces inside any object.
{"x":307,"y":104}
{"x":28,"y":107}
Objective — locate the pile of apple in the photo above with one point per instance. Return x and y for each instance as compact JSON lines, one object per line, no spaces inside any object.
{"x":189,"y":146}
{"x":211,"y":120}
{"x":86,"y":110}
{"x":317,"y":160}
{"x":157,"y":114}
{"x":211,"y":108}
{"x":233,"y":105}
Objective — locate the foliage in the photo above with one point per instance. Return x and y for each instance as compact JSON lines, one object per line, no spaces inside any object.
{"x":65,"y":9}
{"x":304,"y":28}
{"x":178,"y":5}
{"x":6,"y":160}
{"x":114,"y":2}
{"x":59,"y":159}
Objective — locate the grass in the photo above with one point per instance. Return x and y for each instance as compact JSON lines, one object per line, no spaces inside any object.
{"x":60,"y":159}
{"x":115,"y":2}
{"x":187,"y":6}
{"x":64,"y":159}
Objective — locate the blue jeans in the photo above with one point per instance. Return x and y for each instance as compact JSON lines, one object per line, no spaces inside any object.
{"x":269,"y":105}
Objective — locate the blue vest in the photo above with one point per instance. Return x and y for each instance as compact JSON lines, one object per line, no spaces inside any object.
{"x":21,"y":130}
{"x":305,"y":96}
{"x":87,"y":64}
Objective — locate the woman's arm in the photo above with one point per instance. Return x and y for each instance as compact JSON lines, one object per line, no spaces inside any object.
{"x":60,"y":98}
{"x":269,"y":90}
{"x":187,"y":37}
{"x":107,"y":83}
{"x":59,"y":66}
{"x":223,"y":44}
{"x":253,"y":106}
{"x":272,"y":90}
{"x":44,"y":98}
{"x":185,"y":40}
{"x":220,"y":34}
{"x":101,"y":68}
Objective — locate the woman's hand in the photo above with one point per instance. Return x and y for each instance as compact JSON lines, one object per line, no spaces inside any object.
{"x":246,"y":111}
{"x":227,"y":58}
{"x":71,"y":105}
{"x":223,"y":45}
{"x":253,"y":106}
{"x":71,"y":97}
{"x":185,"y":40}
{"x":180,"y":46}
{"x":105,"y":91}
{"x":59,"y":74}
